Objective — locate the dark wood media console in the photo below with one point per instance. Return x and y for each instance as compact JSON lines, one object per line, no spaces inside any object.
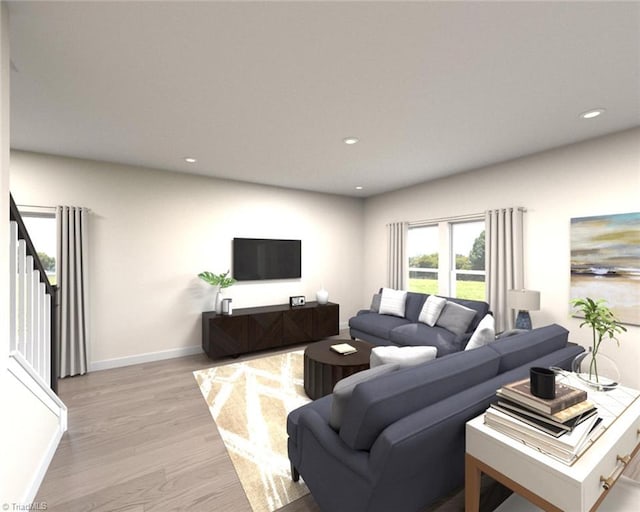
{"x":253,"y":329}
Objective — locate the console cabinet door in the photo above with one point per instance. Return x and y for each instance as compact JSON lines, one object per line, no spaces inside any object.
{"x":265,"y":330}
{"x":326,"y":321}
{"x":228,"y":336}
{"x":297,"y":326}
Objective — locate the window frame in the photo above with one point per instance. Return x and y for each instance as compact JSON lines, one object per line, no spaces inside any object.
{"x":446,"y":271}
{"x":42,"y":212}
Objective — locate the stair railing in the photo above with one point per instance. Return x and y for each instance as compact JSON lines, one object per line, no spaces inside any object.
{"x":33,"y":302}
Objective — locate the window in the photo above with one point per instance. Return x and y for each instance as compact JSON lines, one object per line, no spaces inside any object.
{"x":42,"y":230}
{"x":447,"y":258}
{"x":467,"y":251}
{"x":422,"y":247}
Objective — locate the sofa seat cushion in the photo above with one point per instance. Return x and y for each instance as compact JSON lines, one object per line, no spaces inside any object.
{"x":402,"y":356}
{"x":420,"y":334}
{"x":523,"y":348}
{"x":378,"y":325}
{"x":378,"y":403}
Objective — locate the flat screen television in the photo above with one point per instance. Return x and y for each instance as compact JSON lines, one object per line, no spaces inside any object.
{"x":256,"y":259}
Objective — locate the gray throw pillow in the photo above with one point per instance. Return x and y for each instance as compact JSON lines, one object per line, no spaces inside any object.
{"x":375,"y":302}
{"x":344,"y":387}
{"x":456,"y":318}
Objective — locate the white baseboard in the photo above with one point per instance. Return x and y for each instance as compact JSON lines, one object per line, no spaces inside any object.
{"x":149,"y":357}
{"x":47,"y":457}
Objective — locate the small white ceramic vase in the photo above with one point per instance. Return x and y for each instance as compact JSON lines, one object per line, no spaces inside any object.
{"x":218,"y":301}
{"x":322,"y":296}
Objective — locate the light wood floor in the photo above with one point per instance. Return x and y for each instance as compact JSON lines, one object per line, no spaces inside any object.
{"x":141,"y":438}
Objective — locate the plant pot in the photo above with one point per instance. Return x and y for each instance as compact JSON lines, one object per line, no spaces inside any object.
{"x":598,"y":372}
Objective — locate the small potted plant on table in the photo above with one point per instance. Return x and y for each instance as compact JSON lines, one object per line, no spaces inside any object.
{"x":219,"y":281}
{"x":604,"y":324}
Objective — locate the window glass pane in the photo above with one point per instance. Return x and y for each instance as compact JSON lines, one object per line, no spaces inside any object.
{"x":42,"y":231}
{"x":468,"y":246}
{"x":422,"y":246}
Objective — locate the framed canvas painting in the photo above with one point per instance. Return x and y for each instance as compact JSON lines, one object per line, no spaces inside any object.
{"x":605,"y":262}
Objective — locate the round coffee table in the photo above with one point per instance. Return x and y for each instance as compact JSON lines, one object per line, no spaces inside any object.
{"x":323,"y":367}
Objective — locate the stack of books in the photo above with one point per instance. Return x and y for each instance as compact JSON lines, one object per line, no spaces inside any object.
{"x":562,"y":427}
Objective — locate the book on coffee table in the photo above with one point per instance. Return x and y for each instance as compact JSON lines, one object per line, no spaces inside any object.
{"x":344,"y":349}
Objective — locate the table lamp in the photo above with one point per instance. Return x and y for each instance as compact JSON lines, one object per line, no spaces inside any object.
{"x":523,"y":301}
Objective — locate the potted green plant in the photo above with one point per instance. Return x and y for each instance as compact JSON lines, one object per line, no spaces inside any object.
{"x":604,"y":325}
{"x":219,"y":281}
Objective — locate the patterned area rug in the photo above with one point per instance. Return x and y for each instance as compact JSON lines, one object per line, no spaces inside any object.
{"x":249,"y":401}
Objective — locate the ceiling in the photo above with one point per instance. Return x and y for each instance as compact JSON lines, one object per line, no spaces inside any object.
{"x":265,"y":92}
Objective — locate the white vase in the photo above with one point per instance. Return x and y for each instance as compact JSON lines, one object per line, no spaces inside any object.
{"x":218,"y":301}
{"x":322,"y":296}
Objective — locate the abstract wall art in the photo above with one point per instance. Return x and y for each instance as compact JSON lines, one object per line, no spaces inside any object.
{"x":605,"y":262}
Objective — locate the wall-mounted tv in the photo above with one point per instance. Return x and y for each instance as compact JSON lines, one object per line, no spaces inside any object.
{"x":256,"y":259}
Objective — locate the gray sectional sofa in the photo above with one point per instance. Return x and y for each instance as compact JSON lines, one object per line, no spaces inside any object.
{"x":371,"y":326}
{"x":400,"y":444}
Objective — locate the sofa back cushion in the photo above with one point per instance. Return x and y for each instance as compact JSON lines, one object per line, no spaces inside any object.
{"x":414,"y":304}
{"x":377,"y":403}
{"x":523,"y":348}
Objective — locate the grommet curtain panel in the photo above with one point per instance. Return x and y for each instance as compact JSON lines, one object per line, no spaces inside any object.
{"x":397,"y":255}
{"x":72,"y":232}
{"x":504,"y":261}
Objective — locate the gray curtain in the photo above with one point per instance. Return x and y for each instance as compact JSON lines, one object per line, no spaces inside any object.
{"x":397,"y":255}
{"x":72,"y":224}
{"x":504,"y":261}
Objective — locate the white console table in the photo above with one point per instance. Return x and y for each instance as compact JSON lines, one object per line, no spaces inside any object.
{"x":546,"y":482}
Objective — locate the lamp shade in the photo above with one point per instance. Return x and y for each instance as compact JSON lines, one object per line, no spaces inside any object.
{"x":523,"y":300}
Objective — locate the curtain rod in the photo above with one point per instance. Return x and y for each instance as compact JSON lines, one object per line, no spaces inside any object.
{"x":455,"y":218}
{"x":48,"y":208}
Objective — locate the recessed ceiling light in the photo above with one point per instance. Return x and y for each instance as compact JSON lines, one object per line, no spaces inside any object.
{"x":350,"y":140}
{"x":190,"y":160}
{"x":590,"y":114}
{"x":359,"y":187}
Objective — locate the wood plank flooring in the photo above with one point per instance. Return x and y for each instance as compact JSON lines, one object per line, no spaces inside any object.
{"x":141,"y":439}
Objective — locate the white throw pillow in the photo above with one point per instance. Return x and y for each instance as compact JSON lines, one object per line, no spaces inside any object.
{"x":392,"y":302}
{"x":402,"y":356}
{"x":484,"y":333}
{"x":431,"y":310}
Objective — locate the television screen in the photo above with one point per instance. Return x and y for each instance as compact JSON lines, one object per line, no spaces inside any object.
{"x":256,"y":259}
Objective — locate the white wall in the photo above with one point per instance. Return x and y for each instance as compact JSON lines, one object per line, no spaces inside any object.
{"x":601,"y":176}
{"x":153,"y":231}
{"x":4,"y":184}
{"x":32,"y":421}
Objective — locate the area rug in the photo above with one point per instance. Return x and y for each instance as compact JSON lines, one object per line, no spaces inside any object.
{"x":249,"y":401}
